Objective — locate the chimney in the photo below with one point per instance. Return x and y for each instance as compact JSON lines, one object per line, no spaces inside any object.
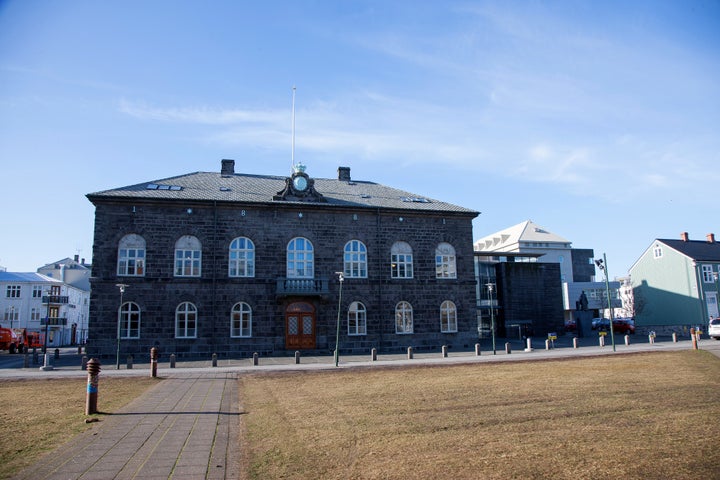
{"x":710,"y":237}
{"x":684,"y":236}
{"x":228,"y":168}
{"x":344,"y":174}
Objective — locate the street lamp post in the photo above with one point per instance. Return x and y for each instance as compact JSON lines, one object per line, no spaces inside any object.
{"x":46,"y":357}
{"x":492,"y":315}
{"x":122,"y":287}
{"x":12,"y":316}
{"x":602,"y":265}
{"x":341,"y":278}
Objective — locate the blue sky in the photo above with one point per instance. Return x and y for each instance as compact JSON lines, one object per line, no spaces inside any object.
{"x":599,"y":121}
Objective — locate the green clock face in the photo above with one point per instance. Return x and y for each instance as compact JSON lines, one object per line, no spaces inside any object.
{"x":300,"y":183}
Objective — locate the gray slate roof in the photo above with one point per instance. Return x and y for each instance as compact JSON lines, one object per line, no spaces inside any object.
{"x":696,"y":249}
{"x":244,"y":188}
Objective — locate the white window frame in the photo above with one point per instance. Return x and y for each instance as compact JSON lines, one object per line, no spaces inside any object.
{"x":403,"y":318}
{"x":186,"y":314}
{"x":448,"y":317}
{"x":13,"y":291}
{"x":707,"y":273}
{"x":37,"y":291}
{"x":241,"y":321}
{"x":355,"y":259}
{"x":131,"y":256}
{"x":241,"y":258}
{"x":188,"y":257}
{"x":657,"y":251}
{"x":445,"y":264}
{"x":401,"y":260}
{"x":300,"y":258}
{"x":357,"y":319}
{"x":129,"y":320}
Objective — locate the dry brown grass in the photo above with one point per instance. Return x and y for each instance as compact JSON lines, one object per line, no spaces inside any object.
{"x":38,"y":415}
{"x":637,"y":416}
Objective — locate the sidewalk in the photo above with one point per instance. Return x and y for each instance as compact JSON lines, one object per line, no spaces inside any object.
{"x":187,"y":426}
{"x":183,"y":428}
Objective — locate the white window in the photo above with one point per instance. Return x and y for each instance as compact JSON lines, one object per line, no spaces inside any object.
{"x":403,"y":318}
{"x":241,"y":320}
{"x":707,"y":273}
{"x":129,"y":320}
{"x":186,"y":321}
{"x":188,"y":257}
{"x":401,"y":260}
{"x":448,"y":317}
{"x":37,"y":291}
{"x":657,"y":251}
{"x":13,"y":291}
{"x":242,"y":258}
{"x":445,"y":261}
{"x":35,"y":314}
{"x":300,"y":258}
{"x":131,"y":256}
{"x":355,"y":259}
{"x":357,"y":319}
{"x":11,"y":314}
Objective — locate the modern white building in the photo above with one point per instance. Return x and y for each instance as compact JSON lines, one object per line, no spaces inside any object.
{"x":41,"y":304}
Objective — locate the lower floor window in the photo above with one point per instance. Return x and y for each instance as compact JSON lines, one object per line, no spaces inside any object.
{"x":403,"y":318}
{"x":448,"y":317}
{"x":129,"y":321}
{"x":241,"y":320}
{"x":186,"y":321}
{"x":357,"y":319}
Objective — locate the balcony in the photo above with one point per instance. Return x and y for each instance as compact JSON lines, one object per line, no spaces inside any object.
{"x":301,"y":286}
{"x":55,"y":299}
{"x":53,"y":321}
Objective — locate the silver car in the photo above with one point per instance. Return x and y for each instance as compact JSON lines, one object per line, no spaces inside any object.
{"x":714,"y":328}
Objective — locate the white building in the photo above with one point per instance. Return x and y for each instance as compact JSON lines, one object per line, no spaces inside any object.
{"x":38,"y":303}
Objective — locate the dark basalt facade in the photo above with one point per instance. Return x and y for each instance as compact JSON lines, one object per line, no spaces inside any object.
{"x":236,"y":264}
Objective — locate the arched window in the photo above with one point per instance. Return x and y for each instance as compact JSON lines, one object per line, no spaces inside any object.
{"x":445,"y":261}
{"x":186,"y":321}
{"x":131,"y":256}
{"x":357,"y":319}
{"x":241,"y":320}
{"x":448,"y":317}
{"x":188,"y":257}
{"x":355,"y":259}
{"x":129,"y":320}
{"x":241,"y":258}
{"x":300,"y":258}
{"x":401,"y":260}
{"x":403,"y":318}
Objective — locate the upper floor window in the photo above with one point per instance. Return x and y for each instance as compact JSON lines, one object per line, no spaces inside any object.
{"x":188,"y":257}
{"x":707,"y":273}
{"x":401,"y":260}
{"x":242,"y":258}
{"x":448,"y":317}
{"x":357,"y":319}
{"x":355,"y":259}
{"x":445,"y":261}
{"x":129,"y":320}
{"x":403,"y":318}
{"x":657,"y":251}
{"x":37,"y":291}
{"x":241,"y":320}
{"x":131,"y":256}
{"x":13,"y":291}
{"x":186,"y":321}
{"x":300,"y":258}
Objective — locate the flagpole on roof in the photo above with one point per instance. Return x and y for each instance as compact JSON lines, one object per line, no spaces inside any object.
{"x":292,"y":156}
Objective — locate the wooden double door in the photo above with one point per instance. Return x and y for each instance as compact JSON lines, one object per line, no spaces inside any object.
{"x":300,"y":318}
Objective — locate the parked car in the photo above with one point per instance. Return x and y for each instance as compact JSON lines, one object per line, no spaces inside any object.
{"x":714,"y":328}
{"x":620,"y":325}
{"x":570,"y":325}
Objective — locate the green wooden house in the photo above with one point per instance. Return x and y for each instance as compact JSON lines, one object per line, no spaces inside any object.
{"x":675,"y":285}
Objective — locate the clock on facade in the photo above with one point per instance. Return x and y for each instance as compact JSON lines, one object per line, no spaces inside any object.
{"x":300,"y":183}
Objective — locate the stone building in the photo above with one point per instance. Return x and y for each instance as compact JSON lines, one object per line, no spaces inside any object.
{"x":234,"y":264}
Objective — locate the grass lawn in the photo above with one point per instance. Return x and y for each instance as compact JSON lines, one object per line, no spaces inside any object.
{"x":38,"y":415}
{"x":641,"y":416}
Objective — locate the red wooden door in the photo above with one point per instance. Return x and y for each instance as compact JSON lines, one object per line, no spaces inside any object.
{"x":300,"y":326}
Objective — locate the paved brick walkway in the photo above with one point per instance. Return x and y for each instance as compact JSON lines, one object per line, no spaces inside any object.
{"x":183,"y":428}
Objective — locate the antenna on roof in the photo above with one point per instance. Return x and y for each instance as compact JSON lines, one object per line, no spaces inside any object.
{"x":292,"y":157}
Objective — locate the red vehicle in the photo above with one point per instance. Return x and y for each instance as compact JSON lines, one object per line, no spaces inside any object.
{"x":19,"y":340}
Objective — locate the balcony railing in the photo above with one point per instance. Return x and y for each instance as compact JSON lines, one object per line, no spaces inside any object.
{"x":53,"y":321}
{"x":301,"y":286}
{"x":60,"y":299}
